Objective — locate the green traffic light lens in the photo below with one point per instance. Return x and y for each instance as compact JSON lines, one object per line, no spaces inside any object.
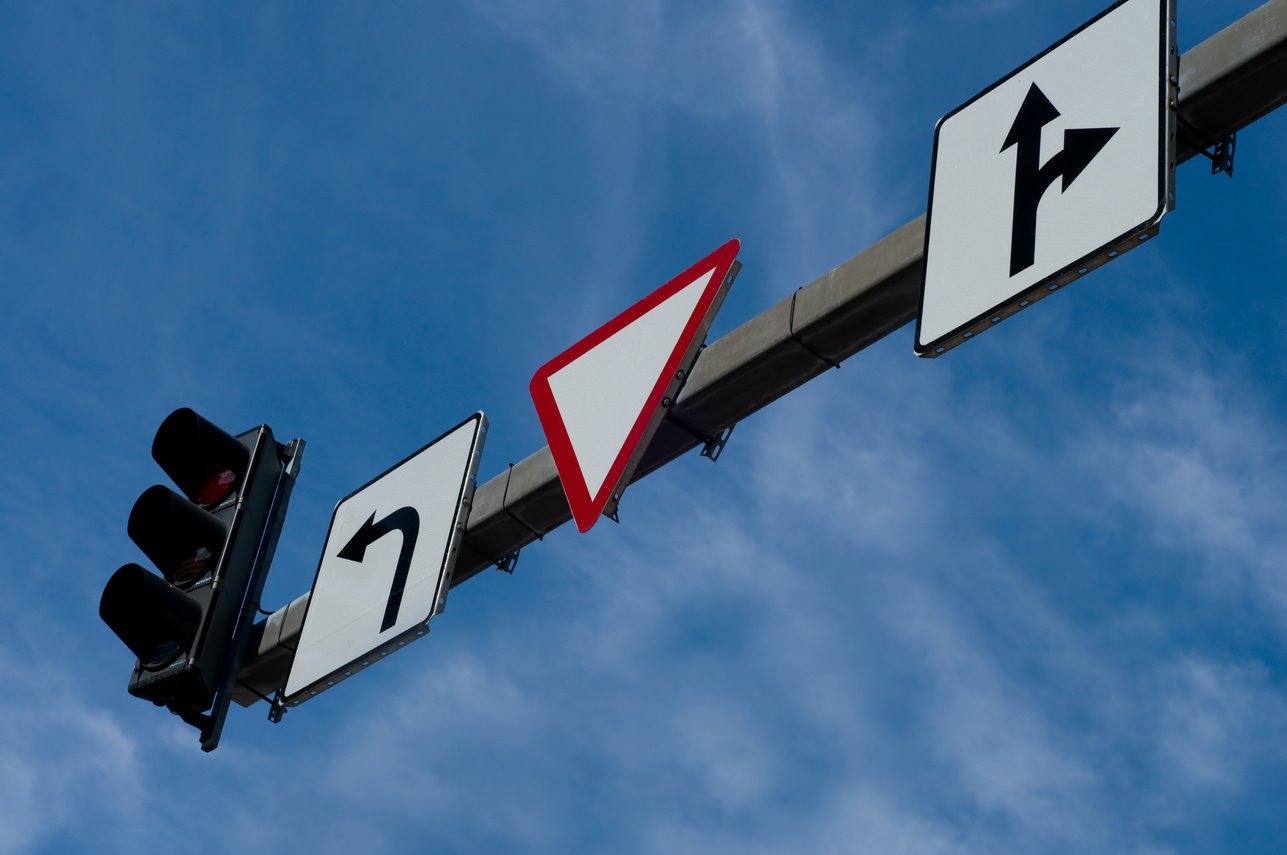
{"x":161,"y":655}
{"x":156,"y":620}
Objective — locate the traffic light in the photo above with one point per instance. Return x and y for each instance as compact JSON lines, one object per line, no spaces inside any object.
{"x":212,"y":542}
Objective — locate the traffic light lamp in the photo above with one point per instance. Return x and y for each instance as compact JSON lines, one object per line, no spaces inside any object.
{"x":212,"y":542}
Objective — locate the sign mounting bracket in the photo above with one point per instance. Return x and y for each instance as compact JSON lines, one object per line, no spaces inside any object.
{"x":1220,"y":153}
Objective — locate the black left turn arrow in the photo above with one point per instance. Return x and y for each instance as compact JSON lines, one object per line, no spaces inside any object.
{"x":405,"y":520}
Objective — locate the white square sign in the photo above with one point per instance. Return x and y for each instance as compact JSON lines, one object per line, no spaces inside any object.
{"x":1059,"y":167}
{"x":387,"y":562}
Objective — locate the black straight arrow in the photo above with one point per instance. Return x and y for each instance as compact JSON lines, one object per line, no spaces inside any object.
{"x":405,"y":520}
{"x":1031,"y":179}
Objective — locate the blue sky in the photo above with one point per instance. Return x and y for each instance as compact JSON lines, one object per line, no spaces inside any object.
{"x":1030,"y":597}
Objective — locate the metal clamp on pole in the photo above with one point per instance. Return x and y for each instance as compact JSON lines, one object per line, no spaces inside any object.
{"x":505,"y":507}
{"x":796,"y":337}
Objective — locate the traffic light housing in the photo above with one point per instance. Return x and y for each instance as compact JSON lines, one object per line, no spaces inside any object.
{"x":212,"y":542}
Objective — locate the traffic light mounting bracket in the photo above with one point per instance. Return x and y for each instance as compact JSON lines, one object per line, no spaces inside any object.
{"x":211,"y":724}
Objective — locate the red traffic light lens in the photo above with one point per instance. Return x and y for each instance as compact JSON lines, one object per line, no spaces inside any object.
{"x":203,"y":460}
{"x":217,"y":488}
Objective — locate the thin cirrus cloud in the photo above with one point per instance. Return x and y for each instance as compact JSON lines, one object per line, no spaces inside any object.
{"x":955,"y":688}
{"x":1025,"y":598}
{"x":911,"y":679}
{"x":67,"y":770}
{"x":749,"y":64}
{"x":726,"y":697}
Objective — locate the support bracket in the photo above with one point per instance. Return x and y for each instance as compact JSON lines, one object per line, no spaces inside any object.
{"x":277,"y":707}
{"x":712,"y":444}
{"x":1222,"y":154}
{"x":713,"y":447}
{"x":1221,"y":151}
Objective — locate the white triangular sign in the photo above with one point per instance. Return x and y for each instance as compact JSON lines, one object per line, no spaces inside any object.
{"x":601,"y":400}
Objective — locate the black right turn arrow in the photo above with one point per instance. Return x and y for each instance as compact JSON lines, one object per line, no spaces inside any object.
{"x":1032,"y":180}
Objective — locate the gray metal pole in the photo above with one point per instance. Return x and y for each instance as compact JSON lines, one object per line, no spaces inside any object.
{"x":1226,"y":83}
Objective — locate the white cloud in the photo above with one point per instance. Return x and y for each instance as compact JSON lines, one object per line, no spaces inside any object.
{"x":754,"y":70}
{"x":64,"y":763}
{"x":1195,"y":452}
{"x":714,"y":60}
{"x":821,"y":643}
{"x":910,"y":611}
{"x":820,"y":651}
{"x":976,"y":8}
{"x":1215,"y":721}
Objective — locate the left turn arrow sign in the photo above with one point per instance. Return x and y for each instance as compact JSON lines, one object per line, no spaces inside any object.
{"x":369,"y":600}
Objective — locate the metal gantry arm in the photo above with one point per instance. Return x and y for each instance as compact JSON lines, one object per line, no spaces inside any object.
{"x":1226,"y":83}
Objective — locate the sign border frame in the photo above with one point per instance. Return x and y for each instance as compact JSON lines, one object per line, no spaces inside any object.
{"x":1168,"y":93}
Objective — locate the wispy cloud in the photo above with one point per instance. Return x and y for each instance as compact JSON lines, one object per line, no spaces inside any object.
{"x":789,"y":651}
{"x":68,"y":771}
{"x":976,"y":8}
{"x":1027,"y":598}
{"x":749,"y":70}
{"x":1194,"y":451}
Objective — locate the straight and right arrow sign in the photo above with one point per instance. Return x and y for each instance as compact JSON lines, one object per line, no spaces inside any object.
{"x":1032,"y":179}
{"x":1093,"y":114}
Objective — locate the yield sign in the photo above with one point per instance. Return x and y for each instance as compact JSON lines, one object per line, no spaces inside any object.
{"x":601,"y":400}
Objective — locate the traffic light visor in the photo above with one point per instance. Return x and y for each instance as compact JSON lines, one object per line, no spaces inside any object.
{"x":156,"y":620}
{"x":206,"y":463}
{"x":183,"y":540}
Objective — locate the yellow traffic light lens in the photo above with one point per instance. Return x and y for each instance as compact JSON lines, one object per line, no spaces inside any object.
{"x":183,"y":539}
{"x":191,"y":569}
